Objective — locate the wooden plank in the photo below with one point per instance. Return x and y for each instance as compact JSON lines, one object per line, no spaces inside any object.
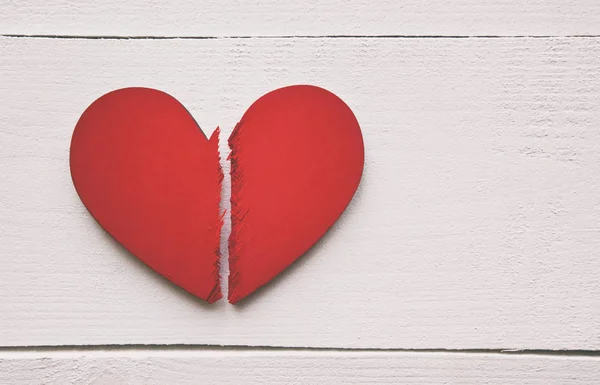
{"x":476,"y":224}
{"x":231,"y":367}
{"x":309,"y":17}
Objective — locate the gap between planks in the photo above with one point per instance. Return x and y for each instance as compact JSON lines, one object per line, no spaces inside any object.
{"x":117,"y":37}
{"x":178,"y":349}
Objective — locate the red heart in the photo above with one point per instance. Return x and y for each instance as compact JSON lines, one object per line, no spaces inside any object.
{"x":297,"y":158}
{"x":147,"y":174}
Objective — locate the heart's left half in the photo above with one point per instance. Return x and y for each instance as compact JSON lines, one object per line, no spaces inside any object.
{"x":151,"y":178}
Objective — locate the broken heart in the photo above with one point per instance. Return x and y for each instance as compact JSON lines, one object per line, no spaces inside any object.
{"x":149,"y":176}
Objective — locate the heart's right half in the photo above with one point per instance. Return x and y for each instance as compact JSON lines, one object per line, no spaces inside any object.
{"x":148,"y":175}
{"x":297,"y":158}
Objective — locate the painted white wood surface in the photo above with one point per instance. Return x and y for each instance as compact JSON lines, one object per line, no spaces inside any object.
{"x":308,"y":17}
{"x":476,"y":224}
{"x":284,"y":367}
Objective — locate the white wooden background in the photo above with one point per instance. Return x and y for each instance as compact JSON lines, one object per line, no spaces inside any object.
{"x":476,"y":228}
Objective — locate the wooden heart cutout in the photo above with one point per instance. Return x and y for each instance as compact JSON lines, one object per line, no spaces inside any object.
{"x":149,"y":176}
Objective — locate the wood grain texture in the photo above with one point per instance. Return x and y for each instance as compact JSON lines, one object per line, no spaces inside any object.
{"x":476,"y":224}
{"x":282,"y":367}
{"x":309,"y":17}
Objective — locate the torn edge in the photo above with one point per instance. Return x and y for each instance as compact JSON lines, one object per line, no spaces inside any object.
{"x":237,"y":213}
{"x":225,"y":206}
{"x":215,"y":293}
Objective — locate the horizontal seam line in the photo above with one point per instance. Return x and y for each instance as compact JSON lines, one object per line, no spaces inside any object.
{"x":156,"y":347}
{"x":117,"y":37}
